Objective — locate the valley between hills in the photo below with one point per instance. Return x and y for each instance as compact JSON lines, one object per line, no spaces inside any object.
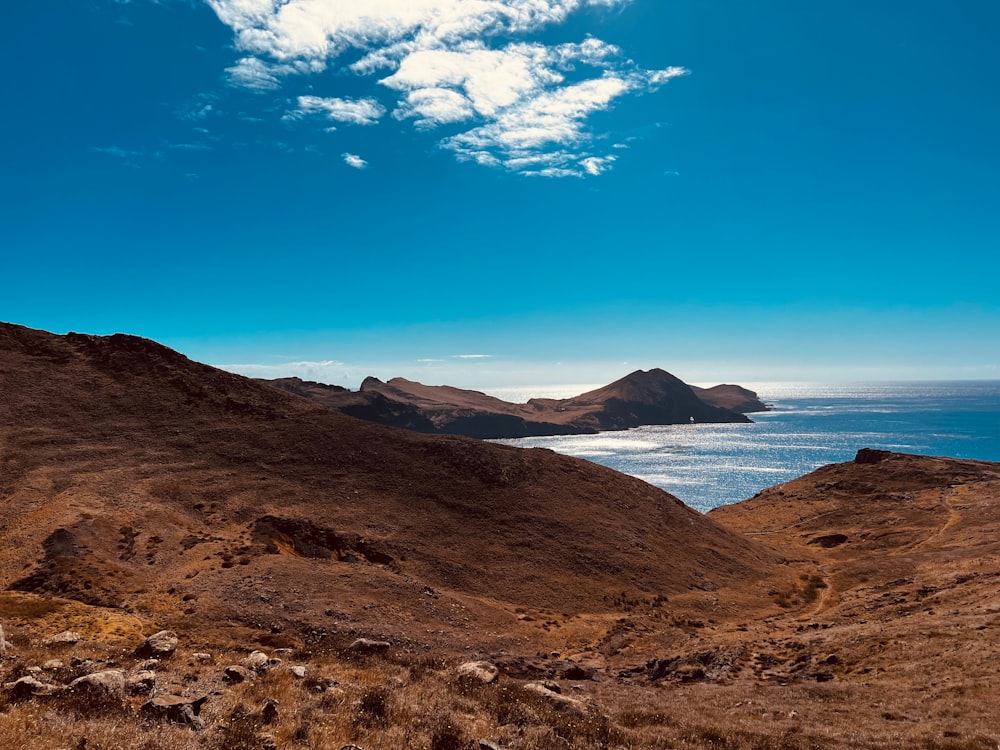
{"x":193,"y":559}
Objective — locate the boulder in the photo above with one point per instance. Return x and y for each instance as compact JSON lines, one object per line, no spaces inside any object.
{"x":563,"y":702}
{"x":158,"y":646}
{"x":4,"y":645}
{"x":29,"y":687}
{"x":269,"y":712}
{"x":65,"y":638}
{"x":108,"y":682}
{"x":369,"y":646}
{"x":257,"y":661}
{"x":143,"y":681}
{"x":236,"y":674}
{"x":480,"y":671}
{"x":175,"y":709}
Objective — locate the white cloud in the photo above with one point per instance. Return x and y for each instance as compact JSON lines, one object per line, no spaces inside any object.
{"x":472,"y":356}
{"x":353,"y":111}
{"x":353,"y":160}
{"x":445,"y":63}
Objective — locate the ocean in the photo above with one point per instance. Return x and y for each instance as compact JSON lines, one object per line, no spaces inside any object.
{"x":708,"y":465}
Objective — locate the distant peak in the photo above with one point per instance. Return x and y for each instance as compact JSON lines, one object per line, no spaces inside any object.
{"x":370,"y":382}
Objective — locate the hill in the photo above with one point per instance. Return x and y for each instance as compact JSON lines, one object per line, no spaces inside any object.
{"x":640,"y":398}
{"x":132,"y":473}
{"x":854,"y":607}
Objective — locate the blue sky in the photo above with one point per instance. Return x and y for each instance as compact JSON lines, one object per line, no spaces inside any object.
{"x":505,"y":192}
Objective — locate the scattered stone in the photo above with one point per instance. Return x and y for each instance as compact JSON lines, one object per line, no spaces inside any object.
{"x":570,"y":670}
{"x":34,"y":670}
{"x":29,"y":687}
{"x":53,"y":664}
{"x":159,"y":645}
{"x":65,"y":638}
{"x":369,"y":646}
{"x":236,"y":674}
{"x":285,"y":652}
{"x":298,"y":671}
{"x":556,"y":699}
{"x":4,"y":644}
{"x":176,"y":709}
{"x":487,"y":745}
{"x":201,"y":656}
{"x":143,"y":681}
{"x":150,"y":664}
{"x":257,"y":661}
{"x":269,"y":713}
{"x":481,"y":671}
{"x":107,"y":682}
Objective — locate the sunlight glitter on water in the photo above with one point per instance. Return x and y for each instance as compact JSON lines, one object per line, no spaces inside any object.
{"x":708,"y":465}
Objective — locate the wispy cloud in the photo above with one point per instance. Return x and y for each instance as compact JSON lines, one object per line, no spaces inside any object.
{"x":352,"y":111}
{"x":472,"y":356}
{"x":353,"y":160}
{"x":525,"y":105}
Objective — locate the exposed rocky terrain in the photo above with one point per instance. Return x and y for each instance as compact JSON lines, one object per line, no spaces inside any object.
{"x":650,"y":397}
{"x":192,"y":559}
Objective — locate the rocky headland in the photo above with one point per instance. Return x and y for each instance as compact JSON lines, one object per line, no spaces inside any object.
{"x":651,"y":397}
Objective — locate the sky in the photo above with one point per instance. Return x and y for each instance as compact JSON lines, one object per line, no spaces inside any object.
{"x":492,"y":193}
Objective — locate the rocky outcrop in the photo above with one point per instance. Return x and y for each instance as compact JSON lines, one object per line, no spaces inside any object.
{"x":733,"y":397}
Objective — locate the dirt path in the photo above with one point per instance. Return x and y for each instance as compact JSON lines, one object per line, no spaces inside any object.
{"x":954,"y":516}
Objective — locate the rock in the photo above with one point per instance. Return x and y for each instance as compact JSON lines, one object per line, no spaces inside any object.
{"x":29,"y":687}
{"x":4,"y":645}
{"x":201,"y":656}
{"x":569,"y":670}
{"x":369,"y":646}
{"x":150,"y":664}
{"x":109,"y":682}
{"x":555,"y":699}
{"x":487,"y":745}
{"x":269,"y":713}
{"x":871,"y":456}
{"x":481,"y":671}
{"x":236,"y":674}
{"x":257,"y":661}
{"x":143,"y":681}
{"x":298,"y":671}
{"x":175,"y":709}
{"x":53,"y":664}
{"x":158,"y":646}
{"x":65,"y":638}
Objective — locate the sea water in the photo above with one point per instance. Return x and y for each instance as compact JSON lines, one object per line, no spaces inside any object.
{"x":707,"y":465}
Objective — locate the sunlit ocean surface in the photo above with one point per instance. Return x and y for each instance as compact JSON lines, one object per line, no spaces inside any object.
{"x":810,"y":425}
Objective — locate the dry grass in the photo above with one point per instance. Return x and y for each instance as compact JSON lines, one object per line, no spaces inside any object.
{"x":416,"y":701}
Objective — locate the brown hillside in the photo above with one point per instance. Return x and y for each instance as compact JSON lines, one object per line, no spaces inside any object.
{"x":132,"y":475}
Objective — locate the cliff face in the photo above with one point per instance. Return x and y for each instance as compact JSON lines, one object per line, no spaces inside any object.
{"x":642,"y":398}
